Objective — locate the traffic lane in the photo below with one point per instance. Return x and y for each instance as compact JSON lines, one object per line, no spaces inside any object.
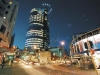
{"x":50,"y":71}
{"x":14,"y":70}
{"x":30,"y":69}
{"x":63,"y":70}
{"x":6,"y":70}
{"x":75,"y":70}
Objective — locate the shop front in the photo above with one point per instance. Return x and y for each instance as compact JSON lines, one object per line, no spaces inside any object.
{"x":90,"y":62}
{"x":96,"y":57}
{"x":83,"y":61}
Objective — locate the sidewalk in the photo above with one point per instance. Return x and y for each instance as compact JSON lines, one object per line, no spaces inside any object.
{"x":88,"y":70}
{"x":14,"y":70}
{"x":81,"y":70}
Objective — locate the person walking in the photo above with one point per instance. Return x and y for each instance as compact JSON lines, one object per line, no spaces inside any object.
{"x":11,"y":58}
{"x":0,"y":59}
{"x":3,"y":62}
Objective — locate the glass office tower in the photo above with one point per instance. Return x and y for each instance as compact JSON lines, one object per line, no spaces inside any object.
{"x":37,"y":36}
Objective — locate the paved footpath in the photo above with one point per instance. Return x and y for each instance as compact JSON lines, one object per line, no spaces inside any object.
{"x":14,"y":70}
{"x":63,"y":70}
{"x":83,"y":71}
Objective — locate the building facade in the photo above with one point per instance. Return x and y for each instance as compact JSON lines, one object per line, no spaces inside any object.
{"x":86,"y":48}
{"x":8,"y":13}
{"x":37,"y":36}
{"x":43,"y":57}
{"x":56,"y":51}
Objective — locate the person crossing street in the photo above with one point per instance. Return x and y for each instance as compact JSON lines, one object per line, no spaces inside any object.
{"x":3,"y":62}
{"x":11,"y":58}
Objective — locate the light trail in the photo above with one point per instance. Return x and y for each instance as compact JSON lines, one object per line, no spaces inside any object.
{"x":30,"y":69}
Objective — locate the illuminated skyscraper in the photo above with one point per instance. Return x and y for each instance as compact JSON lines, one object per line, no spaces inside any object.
{"x":37,"y":36}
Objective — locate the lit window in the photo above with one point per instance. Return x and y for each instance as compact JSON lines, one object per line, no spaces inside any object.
{"x":6,"y":12}
{"x":46,"y":12}
{"x":34,"y":17}
{"x":4,"y":17}
{"x":10,"y":2}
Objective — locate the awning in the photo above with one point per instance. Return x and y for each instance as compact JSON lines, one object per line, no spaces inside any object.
{"x":5,"y":50}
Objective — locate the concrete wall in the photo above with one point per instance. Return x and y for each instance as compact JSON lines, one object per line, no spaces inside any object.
{"x":5,"y":20}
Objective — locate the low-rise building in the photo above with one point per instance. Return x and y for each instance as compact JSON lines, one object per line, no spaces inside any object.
{"x":85,"y":49}
{"x":44,"y":56}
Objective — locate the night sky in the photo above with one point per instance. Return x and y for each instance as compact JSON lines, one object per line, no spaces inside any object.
{"x":68,"y":17}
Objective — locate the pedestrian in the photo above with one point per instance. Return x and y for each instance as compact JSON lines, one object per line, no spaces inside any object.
{"x":0,"y":59}
{"x":11,"y":58}
{"x":10,"y":62}
{"x":3,"y":62}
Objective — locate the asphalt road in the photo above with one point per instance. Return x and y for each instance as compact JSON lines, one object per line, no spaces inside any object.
{"x":63,"y":70}
{"x":22,"y":69}
{"x":14,"y":70}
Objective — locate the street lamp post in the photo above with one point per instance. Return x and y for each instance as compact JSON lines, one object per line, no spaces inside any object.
{"x":62,"y":44}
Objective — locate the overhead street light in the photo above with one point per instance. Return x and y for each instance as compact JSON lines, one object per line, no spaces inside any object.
{"x":62,"y":43}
